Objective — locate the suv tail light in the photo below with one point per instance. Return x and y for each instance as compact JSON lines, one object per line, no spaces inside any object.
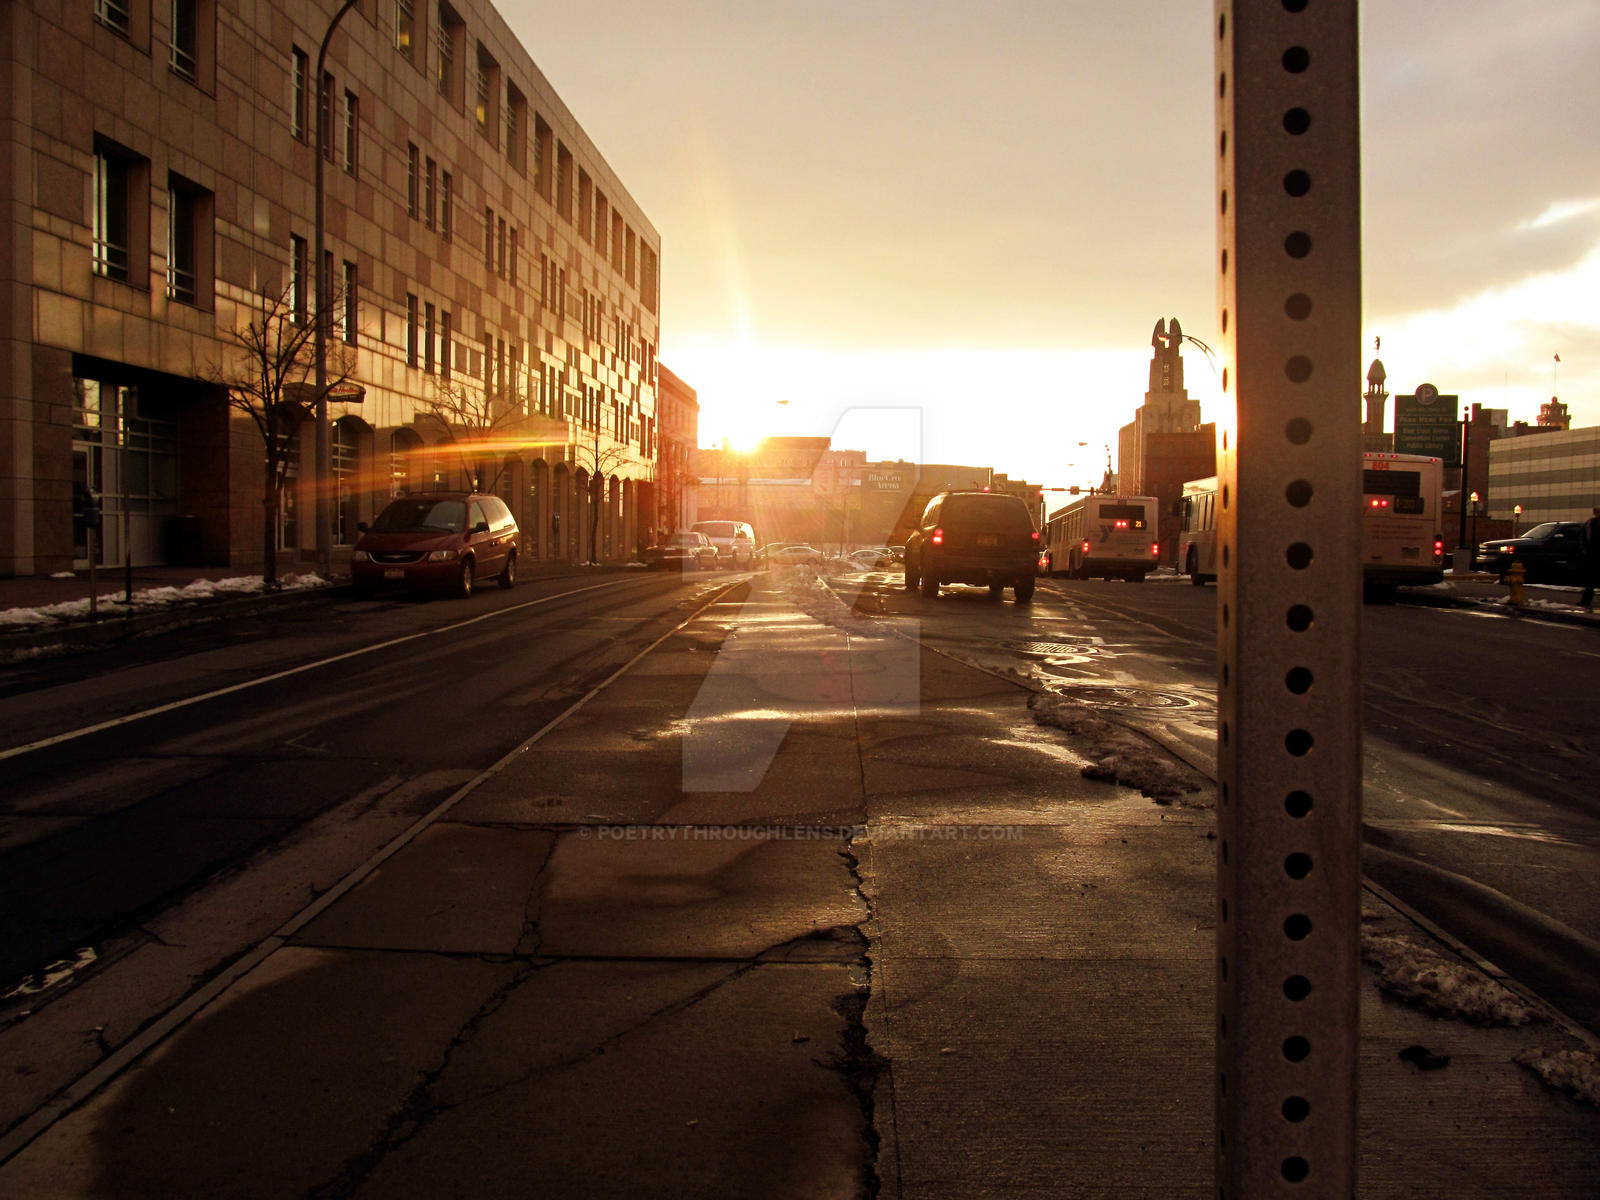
{"x":1034,"y":535}
{"x":937,"y":537}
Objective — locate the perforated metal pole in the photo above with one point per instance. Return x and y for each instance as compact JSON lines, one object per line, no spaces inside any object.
{"x":1289,"y":596}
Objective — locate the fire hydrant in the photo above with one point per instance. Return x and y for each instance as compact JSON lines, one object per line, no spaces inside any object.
{"x":1515,"y":578}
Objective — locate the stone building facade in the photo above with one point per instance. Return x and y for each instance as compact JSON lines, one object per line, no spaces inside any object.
{"x":493,"y":287}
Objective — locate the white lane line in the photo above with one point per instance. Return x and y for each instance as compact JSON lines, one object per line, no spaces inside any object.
{"x":86,"y":1085}
{"x":71,"y":735}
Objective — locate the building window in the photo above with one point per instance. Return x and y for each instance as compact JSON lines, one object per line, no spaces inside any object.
{"x":299,"y":95}
{"x":188,"y":242}
{"x":446,"y":192}
{"x":543,"y":142}
{"x":448,"y":40}
{"x":411,"y":329}
{"x":405,"y":23}
{"x":616,"y":240}
{"x":413,"y":183}
{"x":352,"y":124}
{"x":488,"y":238}
{"x":564,"y":165}
{"x":115,"y":15}
{"x":115,"y":175}
{"x":513,"y":256}
{"x":544,"y":280}
{"x":585,"y":206}
{"x":325,"y":115}
{"x":447,"y":350}
{"x":602,"y":224}
{"x":184,"y":51}
{"x":500,"y":249}
{"x":516,"y":120}
{"x":299,"y":279}
{"x":486,"y":105}
{"x":352,"y":306}
{"x":427,"y":338}
{"x":628,"y":270}
{"x":429,"y":179}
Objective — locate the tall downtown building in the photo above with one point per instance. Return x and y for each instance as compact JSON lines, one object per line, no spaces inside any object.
{"x":494,"y":289}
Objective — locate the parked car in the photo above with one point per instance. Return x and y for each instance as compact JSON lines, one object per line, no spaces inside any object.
{"x":793,"y":554}
{"x":735,"y":541}
{"x":441,"y":541}
{"x":685,"y":550}
{"x":1549,"y":553}
{"x":871,"y":559}
{"x":974,"y":537}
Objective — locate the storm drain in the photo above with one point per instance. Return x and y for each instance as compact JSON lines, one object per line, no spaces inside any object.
{"x":1052,"y":649}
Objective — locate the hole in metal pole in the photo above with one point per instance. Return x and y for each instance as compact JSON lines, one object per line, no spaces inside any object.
{"x":1296,"y":121}
{"x":1297,"y":244}
{"x":1298,"y":742}
{"x":1298,"y":369}
{"x":1297,"y":927}
{"x":1298,"y":431}
{"x":1295,"y":1169}
{"x":1299,"y":493}
{"x":1297,"y":988}
{"x":1297,"y":1048}
{"x":1297,"y":865}
{"x":1298,"y":556}
{"x":1296,"y":1109}
{"x":1298,"y":681}
{"x":1297,"y":182}
{"x":1296,"y":59}
{"x":1299,"y":618}
{"x":1297,"y":804}
{"x":1297,"y":307}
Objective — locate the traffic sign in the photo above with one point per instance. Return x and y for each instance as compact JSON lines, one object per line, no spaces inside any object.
{"x":1426,"y":423}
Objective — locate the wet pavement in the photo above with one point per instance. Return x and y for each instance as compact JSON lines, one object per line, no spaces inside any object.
{"x":797,"y":907}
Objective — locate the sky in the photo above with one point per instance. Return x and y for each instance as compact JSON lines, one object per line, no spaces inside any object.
{"x":944,"y":231}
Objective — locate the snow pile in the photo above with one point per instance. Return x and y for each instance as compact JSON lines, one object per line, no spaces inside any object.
{"x":151,"y":599}
{"x":1443,"y":986}
{"x":1575,"y":1072}
{"x":1118,"y":755}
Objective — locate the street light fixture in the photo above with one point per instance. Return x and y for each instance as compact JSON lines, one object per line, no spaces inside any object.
{"x":1474,"y":498}
{"x":320,"y":334}
{"x":1516,"y":518}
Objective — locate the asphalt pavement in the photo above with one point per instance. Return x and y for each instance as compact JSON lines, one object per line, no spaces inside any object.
{"x":796,"y":907}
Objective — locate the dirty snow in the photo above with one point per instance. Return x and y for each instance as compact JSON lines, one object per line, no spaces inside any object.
{"x":1576,"y":1072}
{"x":149,"y":600}
{"x":1116,"y":754}
{"x":1441,"y":985}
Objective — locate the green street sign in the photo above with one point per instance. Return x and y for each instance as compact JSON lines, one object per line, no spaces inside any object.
{"x":1426,"y":423}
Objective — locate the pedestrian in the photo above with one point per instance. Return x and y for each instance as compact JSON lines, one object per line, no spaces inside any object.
{"x":1591,"y":558}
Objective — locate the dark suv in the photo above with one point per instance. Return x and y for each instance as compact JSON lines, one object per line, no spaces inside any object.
{"x":1549,"y":553}
{"x":974,"y":537}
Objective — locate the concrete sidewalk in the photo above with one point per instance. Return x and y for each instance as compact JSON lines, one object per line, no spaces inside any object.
{"x":795,"y":908}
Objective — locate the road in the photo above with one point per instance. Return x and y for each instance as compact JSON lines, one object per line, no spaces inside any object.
{"x":131,"y":778}
{"x":1480,"y":807}
{"x":209,"y":751}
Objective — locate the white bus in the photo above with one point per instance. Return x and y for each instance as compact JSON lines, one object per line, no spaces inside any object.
{"x":1197,"y":530}
{"x":1402,"y":540}
{"x":1106,"y":535}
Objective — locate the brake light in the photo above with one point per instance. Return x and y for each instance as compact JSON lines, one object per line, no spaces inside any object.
{"x":1438,"y":547}
{"x":1122,"y":524}
{"x":1086,"y":545}
{"x":1155,"y":549}
{"x":1378,"y":502}
{"x":1035,"y":535}
{"x":937,"y":537}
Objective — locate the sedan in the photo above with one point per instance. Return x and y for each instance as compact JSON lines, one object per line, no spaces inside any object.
{"x":685,"y":551}
{"x":871,"y":559}
{"x":788,"y":556}
{"x":1549,"y":553}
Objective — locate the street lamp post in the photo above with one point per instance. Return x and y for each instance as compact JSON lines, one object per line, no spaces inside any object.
{"x":320,"y":332}
{"x":1516,"y":519}
{"x":1474,"y":543}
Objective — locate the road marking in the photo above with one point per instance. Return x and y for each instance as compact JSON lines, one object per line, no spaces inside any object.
{"x":113,"y":723}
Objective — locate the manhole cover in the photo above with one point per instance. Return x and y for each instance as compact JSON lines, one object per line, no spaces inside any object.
{"x":1123,"y":697}
{"x":1051,"y":649}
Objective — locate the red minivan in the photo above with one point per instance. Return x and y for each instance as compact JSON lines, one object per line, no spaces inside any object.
{"x":437,"y":541}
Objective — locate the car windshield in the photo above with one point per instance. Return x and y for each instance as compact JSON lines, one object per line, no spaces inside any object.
{"x":716,"y":529}
{"x":1542,"y":531}
{"x":685,"y":539}
{"x":418,"y":514}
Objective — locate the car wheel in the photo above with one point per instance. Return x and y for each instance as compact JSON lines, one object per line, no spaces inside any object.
{"x":930,"y":586}
{"x":996,"y":590}
{"x":508,"y":577}
{"x":1191,"y":568}
{"x":1023,"y":591}
{"x":911,"y":578}
{"x":464,"y":581}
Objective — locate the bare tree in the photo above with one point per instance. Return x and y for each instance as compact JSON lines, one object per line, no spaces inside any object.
{"x":477,"y":421}
{"x":601,"y":461}
{"x":269,"y":380}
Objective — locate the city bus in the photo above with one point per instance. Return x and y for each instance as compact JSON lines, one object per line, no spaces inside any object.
{"x":1111,"y":536}
{"x":1402,"y":532}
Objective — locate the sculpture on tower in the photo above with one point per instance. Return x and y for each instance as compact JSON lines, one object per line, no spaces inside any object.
{"x":1166,"y":364}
